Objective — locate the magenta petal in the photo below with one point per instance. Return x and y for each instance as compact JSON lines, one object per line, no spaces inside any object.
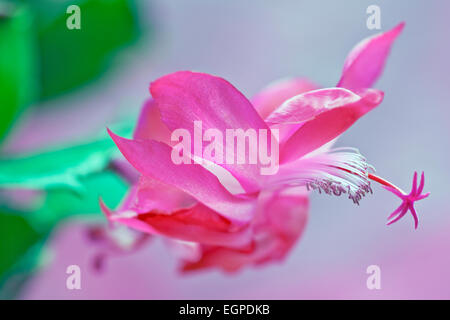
{"x":199,"y":224}
{"x":306,"y":106}
{"x":127,"y":218}
{"x":275,"y":94}
{"x":185,"y":97}
{"x":153,"y":195}
{"x":153,"y":159}
{"x":277,"y":227}
{"x":150,"y":195}
{"x":366,"y":61}
{"x":150,"y":125}
{"x":328,"y":113}
{"x":196,"y":222}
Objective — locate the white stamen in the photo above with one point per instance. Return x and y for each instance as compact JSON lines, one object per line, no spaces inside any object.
{"x":336,"y":172}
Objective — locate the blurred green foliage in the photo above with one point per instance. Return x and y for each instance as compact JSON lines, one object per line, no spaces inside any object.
{"x":69,"y":58}
{"x":12,"y":246}
{"x":56,"y":169}
{"x":59,"y":204}
{"x":24,"y":233}
{"x":23,"y":260}
{"x":41,"y":58}
{"x":18,"y":60}
{"x":69,"y":182}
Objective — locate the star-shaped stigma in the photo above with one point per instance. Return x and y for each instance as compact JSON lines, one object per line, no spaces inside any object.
{"x":407,"y":199}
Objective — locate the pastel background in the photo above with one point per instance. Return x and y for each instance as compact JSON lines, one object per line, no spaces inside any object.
{"x":251,"y":43}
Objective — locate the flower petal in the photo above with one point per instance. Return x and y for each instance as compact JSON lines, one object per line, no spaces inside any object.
{"x":196,"y":224}
{"x":272,"y":96}
{"x":185,"y":97}
{"x":366,"y":61}
{"x":153,"y":195}
{"x":149,"y":124}
{"x":199,"y":224}
{"x":153,"y":159}
{"x":325,"y":114}
{"x":304,"y":107}
{"x":126,"y":217}
{"x":279,"y":225}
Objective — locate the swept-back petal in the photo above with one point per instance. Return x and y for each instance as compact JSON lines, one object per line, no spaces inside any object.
{"x":184,"y":97}
{"x":325,"y":114}
{"x":366,"y":60}
{"x":153,"y":159}
{"x":126,"y":217}
{"x":197,"y":224}
{"x":278,"y":226}
{"x":150,"y":125}
{"x":272,"y":96}
{"x":150,"y":195}
{"x":156,"y":196}
{"x":304,"y":107}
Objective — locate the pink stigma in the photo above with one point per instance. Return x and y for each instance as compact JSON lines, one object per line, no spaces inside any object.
{"x":407,"y":199}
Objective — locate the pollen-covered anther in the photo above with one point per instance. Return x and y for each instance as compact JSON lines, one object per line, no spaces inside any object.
{"x":336,"y":188}
{"x":335,"y":172}
{"x":328,"y":186}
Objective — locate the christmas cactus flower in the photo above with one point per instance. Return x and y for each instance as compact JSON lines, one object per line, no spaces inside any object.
{"x":227,"y":179}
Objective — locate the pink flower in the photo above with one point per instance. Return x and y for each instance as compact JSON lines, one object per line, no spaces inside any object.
{"x":230,"y":215}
